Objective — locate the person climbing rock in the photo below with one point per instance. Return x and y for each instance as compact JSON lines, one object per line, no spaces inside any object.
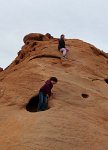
{"x":45,"y":93}
{"x":61,"y":46}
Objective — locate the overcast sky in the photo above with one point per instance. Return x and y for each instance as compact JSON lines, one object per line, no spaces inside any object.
{"x":82,"y":19}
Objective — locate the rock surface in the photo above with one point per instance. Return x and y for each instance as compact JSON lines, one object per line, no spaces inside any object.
{"x":1,"y":69}
{"x":78,"y":114}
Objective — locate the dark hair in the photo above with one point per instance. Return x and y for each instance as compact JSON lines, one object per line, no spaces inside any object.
{"x":62,"y":35}
{"x":54,"y":79}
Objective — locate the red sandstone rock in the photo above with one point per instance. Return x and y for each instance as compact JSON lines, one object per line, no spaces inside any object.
{"x":78,"y":114}
{"x":37,"y":37}
{"x":1,"y":69}
{"x":49,"y":35}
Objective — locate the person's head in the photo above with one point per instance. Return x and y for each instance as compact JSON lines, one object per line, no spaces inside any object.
{"x":62,"y":36}
{"x":54,"y":80}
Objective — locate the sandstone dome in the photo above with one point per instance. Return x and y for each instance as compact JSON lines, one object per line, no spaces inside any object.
{"x":77,"y":118}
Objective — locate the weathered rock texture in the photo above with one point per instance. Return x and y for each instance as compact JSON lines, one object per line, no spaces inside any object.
{"x":78,"y":114}
{"x":1,"y":69}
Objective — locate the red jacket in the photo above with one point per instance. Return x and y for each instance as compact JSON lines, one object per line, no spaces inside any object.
{"x":46,"y":88}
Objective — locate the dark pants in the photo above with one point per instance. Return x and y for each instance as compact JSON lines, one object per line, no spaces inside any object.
{"x":43,"y":102}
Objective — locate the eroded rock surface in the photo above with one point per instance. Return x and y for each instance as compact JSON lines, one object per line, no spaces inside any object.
{"x":78,"y":114}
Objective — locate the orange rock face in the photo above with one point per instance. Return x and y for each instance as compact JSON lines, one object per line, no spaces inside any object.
{"x":78,"y":114}
{"x":1,"y":69}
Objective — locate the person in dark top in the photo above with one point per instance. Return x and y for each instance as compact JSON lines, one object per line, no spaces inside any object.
{"x":61,"y":46}
{"x":45,"y":93}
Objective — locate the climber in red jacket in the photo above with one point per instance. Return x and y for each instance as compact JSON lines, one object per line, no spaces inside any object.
{"x":45,"y":93}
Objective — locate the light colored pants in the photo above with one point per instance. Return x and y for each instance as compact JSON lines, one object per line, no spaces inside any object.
{"x":64,"y":51}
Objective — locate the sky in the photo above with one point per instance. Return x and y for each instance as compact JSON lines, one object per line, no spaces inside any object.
{"x":77,"y":19}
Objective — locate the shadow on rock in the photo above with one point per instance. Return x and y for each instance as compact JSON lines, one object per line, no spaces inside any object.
{"x":33,"y":104}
